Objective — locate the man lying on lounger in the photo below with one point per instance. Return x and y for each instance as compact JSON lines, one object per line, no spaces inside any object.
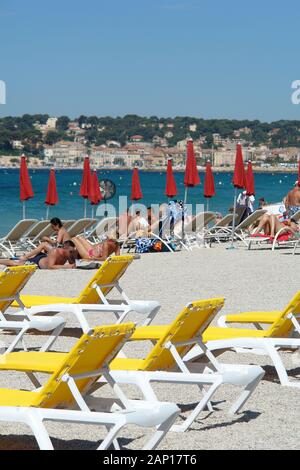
{"x":55,"y":259}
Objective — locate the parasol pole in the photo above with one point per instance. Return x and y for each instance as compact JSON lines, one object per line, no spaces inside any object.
{"x":182,"y":217}
{"x":232,"y":247}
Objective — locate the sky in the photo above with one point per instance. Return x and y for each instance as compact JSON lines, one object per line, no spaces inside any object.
{"x":203,"y":58}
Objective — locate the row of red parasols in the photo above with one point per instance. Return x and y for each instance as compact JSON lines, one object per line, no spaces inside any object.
{"x":90,"y":189}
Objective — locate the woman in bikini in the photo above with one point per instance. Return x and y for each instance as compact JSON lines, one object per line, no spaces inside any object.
{"x":271,"y":225}
{"x":99,"y":251}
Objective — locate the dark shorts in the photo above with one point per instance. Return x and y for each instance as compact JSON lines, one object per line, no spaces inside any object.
{"x":36,"y":259}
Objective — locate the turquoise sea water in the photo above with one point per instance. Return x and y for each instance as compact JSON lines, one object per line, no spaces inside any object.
{"x":273,"y":187}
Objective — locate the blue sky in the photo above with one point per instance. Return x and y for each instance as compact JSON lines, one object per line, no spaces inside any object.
{"x":204,"y":58}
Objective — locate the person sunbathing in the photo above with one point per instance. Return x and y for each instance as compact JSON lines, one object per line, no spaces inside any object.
{"x":56,"y":258}
{"x":98,"y":251}
{"x":271,"y":225}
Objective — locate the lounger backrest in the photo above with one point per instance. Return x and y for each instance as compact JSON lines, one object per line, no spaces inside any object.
{"x":225,"y":221}
{"x":80,"y":226}
{"x":191,"y":322}
{"x":93,"y":351}
{"x":283,"y":326}
{"x":251,"y":219}
{"x":12,"y":281}
{"x":109,"y":273}
{"x":68,"y":223}
{"x":19,"y":230}
{"x":37,"y":228}
{"x":105,"y":225}
{"x":45,"y":232}
{"x":200,"y":221}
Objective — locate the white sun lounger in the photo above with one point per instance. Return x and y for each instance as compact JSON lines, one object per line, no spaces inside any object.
{"x":10,"y":243}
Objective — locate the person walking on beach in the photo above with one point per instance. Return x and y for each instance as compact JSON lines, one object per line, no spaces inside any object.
{"x":56,"y":258}
{"x":292,"y":200}
{"x":246,"y":201}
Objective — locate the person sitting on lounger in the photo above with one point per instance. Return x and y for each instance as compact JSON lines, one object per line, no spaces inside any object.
{"x":56,"y":258}
{"x":99,"y":251}
{"x":62,"y":234}
{"x":48,"y":244}
{"x":271,"y":225}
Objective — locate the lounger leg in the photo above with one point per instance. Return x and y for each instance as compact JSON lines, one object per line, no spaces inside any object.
{"x":17,"y":339}
{"x":82,"y":320}
{"x":279,"y":366}
{"x":112,"y":434}
{"x":52,"y":338}
{"x":160,"y":433}
{"x":245,"y":395}
{"x":39,"y":431}
{"x":197,"y":410}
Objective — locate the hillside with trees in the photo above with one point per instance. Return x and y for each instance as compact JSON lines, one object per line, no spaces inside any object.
{"x":98,"y":130}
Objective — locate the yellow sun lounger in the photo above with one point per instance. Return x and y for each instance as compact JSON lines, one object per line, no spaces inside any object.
{"x":279,"y":325}
{"x":66,"y":389}
{"x":12,"y":281}
{"x":173,"y":341}
{"x":93,"y":296}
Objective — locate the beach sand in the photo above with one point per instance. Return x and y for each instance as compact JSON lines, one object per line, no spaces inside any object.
{"x":255,"y":280}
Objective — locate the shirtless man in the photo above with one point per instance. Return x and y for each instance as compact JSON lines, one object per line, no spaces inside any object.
{"x":292,"y":201}
{"x":56,"y":258}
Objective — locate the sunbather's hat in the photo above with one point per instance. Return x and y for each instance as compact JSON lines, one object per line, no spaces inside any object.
{"x":296,"y":183}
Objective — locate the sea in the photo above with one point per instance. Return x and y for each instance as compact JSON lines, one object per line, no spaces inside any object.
{"x":272,"y":186}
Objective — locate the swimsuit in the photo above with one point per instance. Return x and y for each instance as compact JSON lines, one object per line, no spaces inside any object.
{"x":95,"y":252}
{"x":36,"y":259}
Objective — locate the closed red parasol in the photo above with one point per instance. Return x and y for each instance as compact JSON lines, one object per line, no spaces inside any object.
{"x":95,"y":193}
{"x":239,"y":176}
{"x":191,"y":176}
{"x":209,"y":183}
{"x":240,"y":182}
{"x":52,"y":196}
{"x":250,"y":187}
{"x":171,"y":188}
{"x":26,"y":191}
{"x":136,"y":192}
{"x":85,"y":187}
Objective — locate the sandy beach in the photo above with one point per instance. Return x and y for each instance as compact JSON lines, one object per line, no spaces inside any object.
{"x":255,"y":280}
